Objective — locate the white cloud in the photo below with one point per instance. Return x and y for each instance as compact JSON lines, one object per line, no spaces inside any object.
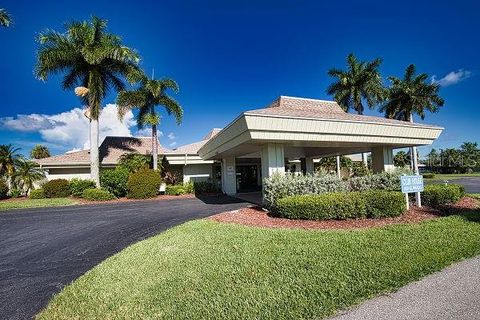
{"x":173,"y":144}
{"x":70,"y":129}
{"x":451,"y":78}
{"x":171,"y":136}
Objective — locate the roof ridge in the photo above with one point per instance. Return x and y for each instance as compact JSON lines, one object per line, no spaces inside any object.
{"x":308,"y":99}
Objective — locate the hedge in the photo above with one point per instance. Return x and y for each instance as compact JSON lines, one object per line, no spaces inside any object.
{"x":3,"y":189}
{"x":190,"y":187}
{"x":341,"y":205}
{"x":115,"y":181}
{"x":95,"y":194}
{"x":77,"y":186}
{"x":37,"y":194}
{"x":57,"y":188}
{"x":435,"y":195}
{"x":143,"y":184}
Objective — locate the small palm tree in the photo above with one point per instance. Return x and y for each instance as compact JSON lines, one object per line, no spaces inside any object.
{"x":93,"y":59}
{"x":39,"y":152}
{"x":8,"y":158}
{"x":5,"y":18}
{"x":26,"y":174}
{"x":150,"y":94}
{"x":412,"y":94}
{"x":360,"y":83}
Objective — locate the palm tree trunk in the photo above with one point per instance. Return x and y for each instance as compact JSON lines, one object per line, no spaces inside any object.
{"x":154,"y":147}
{"x":94,"y":154}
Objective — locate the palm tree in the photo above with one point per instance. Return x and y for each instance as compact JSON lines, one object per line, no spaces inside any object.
{"x":39,"y":152}
{"x":8,"y":158}
{"x":5,"y":18}
{"x":27,"y":173}
{"x":95,"y":60}
{"x":360,"y":83}
{"x":150,"y":94}
{"x":412,"y":94}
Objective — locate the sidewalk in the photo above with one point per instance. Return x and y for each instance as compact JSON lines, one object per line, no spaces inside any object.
{"x":453,"y":293}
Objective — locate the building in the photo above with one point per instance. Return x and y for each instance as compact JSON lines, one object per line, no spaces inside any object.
{"x":289,"y":134}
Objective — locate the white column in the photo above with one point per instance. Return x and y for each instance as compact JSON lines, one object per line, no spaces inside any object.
{"x":229,"y":179}
{"x":273,"y":159}
{"x":382,"y":159}
{"x":339,"y":173}
{"x":309,"y":166}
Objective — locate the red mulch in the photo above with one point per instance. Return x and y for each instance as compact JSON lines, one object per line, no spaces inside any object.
{"x":257,"y":217}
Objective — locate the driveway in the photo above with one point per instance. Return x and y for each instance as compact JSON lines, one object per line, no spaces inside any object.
{"x":452,"y":293}
{"x":471,"y":184}
{"x":42,"y":250}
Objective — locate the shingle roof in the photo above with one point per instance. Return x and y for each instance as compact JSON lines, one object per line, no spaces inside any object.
{"x":111,"y":149}
{"x":321,"y":109}
{"x":193,"y":148}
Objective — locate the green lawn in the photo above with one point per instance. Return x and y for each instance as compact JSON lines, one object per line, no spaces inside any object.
{"x":453,"y":176}
{"x":35,"y":203}
{"x":209,"y":270}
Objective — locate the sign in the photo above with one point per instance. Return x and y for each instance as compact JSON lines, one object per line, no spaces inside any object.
{"x":411,"y":184}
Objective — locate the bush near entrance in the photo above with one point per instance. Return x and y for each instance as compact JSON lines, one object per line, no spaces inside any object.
{"x":58,"y":188}
{"x":95,"y":194}
{"x":37,"y":194}
{"x":198,"y":187}
{"x":342,"y":205}
{"x":143,"y":184}
{"x":77,"y":186}
{"x":115,"y":181}
{"x":435,"y":195}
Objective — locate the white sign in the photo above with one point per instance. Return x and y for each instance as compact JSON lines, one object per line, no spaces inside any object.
{"x":411,"y":184}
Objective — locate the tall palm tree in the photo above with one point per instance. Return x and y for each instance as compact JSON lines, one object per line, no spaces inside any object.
{"x":39,"y":152}
{"x":8,"y":159}
{"x":90,"y":57}
{"x":150,"y":94}
{"x":360,"y":83}
{"x":5,"y":18}
{"x":27,"y":173}
{"x":412,"y":94}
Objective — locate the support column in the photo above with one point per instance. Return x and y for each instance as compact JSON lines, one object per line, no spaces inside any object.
{"x":382,"y":159}
{"x":229,"y":178}
{"x":339,"y":172}
{"x":310,"y":167}
{"x":273,"y":159}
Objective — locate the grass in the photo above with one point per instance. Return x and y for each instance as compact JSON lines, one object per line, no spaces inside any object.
{"x":474,"y":196}
{"x":454,"y":176}
{"x":209,"y":270}
{"x":35,"y":203}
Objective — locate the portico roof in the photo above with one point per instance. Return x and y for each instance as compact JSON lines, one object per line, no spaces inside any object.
{"x":309,"y":127}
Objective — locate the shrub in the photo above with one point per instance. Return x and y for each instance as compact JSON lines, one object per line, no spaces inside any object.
{"x":115,"y":181}
{"x":280,"y":186}
{"x":175,"y":190}
{"x":359,"y":169}
{"x":337,"y":205}
{"x":134,"y":162}
{"x":3,"y":189}
{"x":37,"y":194}
{"x":342,"y":205}
{"x":77,"y":186}
{"x":428,"y":175}
{"x":389,"y":181}
{"x":57,"y":188}
{"x":380,"y":204}
{"x":143,"y":184}
{"x":15,"y":192}
{"x":435,"y":195}
{"x":206,"y":187}
{"x":95,"y":194}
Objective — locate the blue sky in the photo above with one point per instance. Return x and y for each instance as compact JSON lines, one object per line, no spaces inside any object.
{"x":231,"y":56}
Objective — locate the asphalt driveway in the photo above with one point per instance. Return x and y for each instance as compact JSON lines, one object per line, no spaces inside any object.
{"x":471,"y":184}
{"x":42,"y":250}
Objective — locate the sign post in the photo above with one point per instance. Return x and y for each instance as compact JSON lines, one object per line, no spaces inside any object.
{"x":412,"y":184}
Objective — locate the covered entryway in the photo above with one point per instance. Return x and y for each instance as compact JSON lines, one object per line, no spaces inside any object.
{"x":298,"y":130}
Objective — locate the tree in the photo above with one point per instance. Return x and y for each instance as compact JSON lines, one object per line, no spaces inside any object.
{"x":401,"y":159}
{"x":39,"y":152}
{"x":133,"y":162}
{"x":8,"y":159}
{"x":95,"y":60}
{"x":360,"y":83}
{"x":412,"y":94}
{"x":5,"y":18}
{"x":470,"y":155}
{"x":26,"y":174}
{"x":150,"y":94}
{"x":433,"y":159}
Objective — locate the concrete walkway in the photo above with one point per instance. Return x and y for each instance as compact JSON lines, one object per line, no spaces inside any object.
{"x":453,"y":293}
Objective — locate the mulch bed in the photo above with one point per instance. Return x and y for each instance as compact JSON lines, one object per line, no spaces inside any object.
{"x":257,"y":217}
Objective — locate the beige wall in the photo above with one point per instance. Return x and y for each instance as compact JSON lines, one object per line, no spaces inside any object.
{"x":197,"y":172}
{"x":68,"y":173}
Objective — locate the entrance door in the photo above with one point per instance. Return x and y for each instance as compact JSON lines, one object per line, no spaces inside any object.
{"x":247,"y":178}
